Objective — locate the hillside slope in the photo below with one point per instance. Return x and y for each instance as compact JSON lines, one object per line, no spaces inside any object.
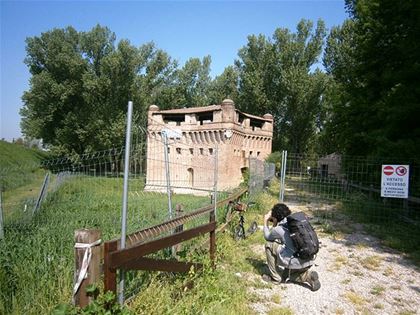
{"x":16,"y":162}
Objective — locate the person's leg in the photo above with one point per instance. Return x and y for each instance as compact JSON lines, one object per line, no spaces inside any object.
{"x":304,"y":276}
{"x":271,"y":253}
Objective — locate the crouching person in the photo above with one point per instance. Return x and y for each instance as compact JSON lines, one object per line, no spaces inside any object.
{"x":282,"y":260}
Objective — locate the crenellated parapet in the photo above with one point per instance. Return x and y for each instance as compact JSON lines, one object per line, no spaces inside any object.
{"x":237,"y":136}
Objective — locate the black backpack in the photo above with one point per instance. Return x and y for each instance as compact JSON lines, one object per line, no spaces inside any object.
{"x":303,"y":235}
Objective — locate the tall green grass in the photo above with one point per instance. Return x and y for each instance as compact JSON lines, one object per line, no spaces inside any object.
{"x":36,"y":257}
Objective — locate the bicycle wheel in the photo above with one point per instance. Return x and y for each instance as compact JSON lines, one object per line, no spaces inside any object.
{"x":253,"y":227}
{"x":239,"y":233}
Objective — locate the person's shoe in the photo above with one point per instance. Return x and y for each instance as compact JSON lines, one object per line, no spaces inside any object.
{"x":314,"y":281}
{"x":269,"y":279}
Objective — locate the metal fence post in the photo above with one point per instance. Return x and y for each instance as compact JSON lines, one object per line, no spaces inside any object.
{"x":1,"y":215}
{"x":283,"y":175}
{"x":125,"y":195}
{"x":216,"y":172}
{"x":168,"y":179}
{"x":42,"y":193}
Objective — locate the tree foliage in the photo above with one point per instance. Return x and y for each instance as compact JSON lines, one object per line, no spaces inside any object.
{"x":374,"y":59}
{"x":79,"y":89}
{"x":365,"y":103}
{"x":276,"y":76}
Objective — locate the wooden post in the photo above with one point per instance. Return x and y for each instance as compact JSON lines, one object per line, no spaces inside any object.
{"x":88,"y":237}
{"x":110,"y":275}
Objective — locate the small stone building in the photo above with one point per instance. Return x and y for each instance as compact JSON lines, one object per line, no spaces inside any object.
{"x":195,"y":134}
{"x":330,"y":165}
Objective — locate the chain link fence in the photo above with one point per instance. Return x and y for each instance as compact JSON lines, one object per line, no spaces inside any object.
{"x":352,"y":185}
{"x":42,"y":205}
{"x":260,"y":174}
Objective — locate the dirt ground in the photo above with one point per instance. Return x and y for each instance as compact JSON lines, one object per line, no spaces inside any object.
{"x":358,"y":276}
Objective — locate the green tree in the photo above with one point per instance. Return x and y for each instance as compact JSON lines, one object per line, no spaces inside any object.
{"x":80,"y":86}
{"x":193,"y":83}
{"x":374,"y":59}
{"x":276,"y":77}
{"x":224,"y":86}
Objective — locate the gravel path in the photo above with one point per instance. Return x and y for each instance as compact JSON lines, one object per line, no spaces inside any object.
{"x":358,"y":276}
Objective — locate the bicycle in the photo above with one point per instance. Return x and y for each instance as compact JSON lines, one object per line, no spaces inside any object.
{"x":239,"y":229}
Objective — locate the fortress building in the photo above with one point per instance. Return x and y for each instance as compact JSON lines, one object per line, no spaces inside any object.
{"x":194,"y":136}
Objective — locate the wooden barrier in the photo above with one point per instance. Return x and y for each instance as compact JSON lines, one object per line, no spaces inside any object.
{"x":142,"y":243}
{"x":132,"y":258}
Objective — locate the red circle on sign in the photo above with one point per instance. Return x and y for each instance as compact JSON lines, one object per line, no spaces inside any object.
{"x":401,"y":170}
{"x":388,"y":170}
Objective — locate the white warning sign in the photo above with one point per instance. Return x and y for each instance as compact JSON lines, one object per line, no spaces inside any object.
{"x":394,"y":181}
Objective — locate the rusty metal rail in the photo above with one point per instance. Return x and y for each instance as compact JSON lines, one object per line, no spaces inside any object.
{"x":168,"y":226}
{"x":153,"y":239}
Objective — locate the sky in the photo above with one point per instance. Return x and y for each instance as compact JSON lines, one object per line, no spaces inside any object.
{"x":184,"y":29}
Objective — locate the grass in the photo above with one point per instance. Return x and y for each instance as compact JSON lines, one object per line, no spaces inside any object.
{"x":355,"y":298}
{"x":18,"y":164}
{"x":371,"y":262}
{"x":212,"y":292}
{"x":276,"y":298}
{"x":339,"y":311}
{"x":378,"y":306}
{"x":377,"y":290}
{"x":280,"y":311}
{"x":339,"y":261}
{"x":36,"y":257}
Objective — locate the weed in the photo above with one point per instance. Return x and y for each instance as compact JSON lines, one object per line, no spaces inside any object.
{"x":377,"y":290}
{"x":357,"y":273}
{"x":366,"y":312}
{"x":354,"y":298}
{"x":280,"y":311}
{"x":261,"y":285}
{"x":371,"y":262}
{"x":276,"y":299}
{"x":339,"y":311}
{"x":378,"y":306}
{"x":253,"y":297}
{"x":339,"y":261}
{"x":388,"y":271}
{"x":327,"y":227}
{"x":406,"y":312}
{"x":346,"y":281}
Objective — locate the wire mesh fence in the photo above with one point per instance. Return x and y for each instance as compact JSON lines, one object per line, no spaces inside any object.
{"x":42,"y":205}
{"x":352,"y":185}
{"x":260,"y":174}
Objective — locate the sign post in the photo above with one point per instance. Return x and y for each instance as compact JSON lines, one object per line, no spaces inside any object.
{"x":394,"y":181}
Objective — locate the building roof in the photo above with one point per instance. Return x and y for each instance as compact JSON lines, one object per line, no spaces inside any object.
{"x":202,"y":109}
{"x":190,"y":110}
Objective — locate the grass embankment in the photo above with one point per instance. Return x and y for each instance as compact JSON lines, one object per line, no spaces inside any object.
{"x":16,"y":163}
{"x":20,"y":178}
